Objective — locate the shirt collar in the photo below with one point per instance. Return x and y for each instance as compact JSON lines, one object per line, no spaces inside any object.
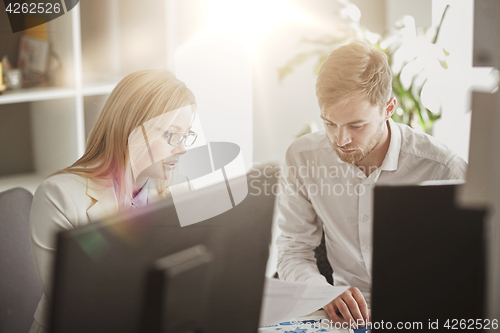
{"x":391,"y":159}
{"x":141,"y":198}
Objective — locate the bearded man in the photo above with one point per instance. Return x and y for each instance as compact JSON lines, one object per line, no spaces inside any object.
{"x":361,"y":146}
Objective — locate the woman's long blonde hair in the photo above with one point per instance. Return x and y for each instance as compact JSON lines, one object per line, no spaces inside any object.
{"x":137,"y":98}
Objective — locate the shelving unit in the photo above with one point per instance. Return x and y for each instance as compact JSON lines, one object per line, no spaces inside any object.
{"x":35,"y":94}
{"x":45,"y":129}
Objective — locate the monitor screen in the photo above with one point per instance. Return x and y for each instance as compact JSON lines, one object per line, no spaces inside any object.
{"x":101,"y":268}
{"x":428,"y":259}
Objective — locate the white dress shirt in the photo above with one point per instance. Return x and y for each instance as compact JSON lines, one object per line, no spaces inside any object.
{"x":321,"y":192}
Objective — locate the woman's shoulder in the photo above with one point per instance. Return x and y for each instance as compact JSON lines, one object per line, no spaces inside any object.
{"x":67,"y":183}
{"x":66,"y":180}
{"x":61,"y":199}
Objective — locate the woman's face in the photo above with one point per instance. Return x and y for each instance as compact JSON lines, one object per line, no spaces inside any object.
{"x":165,"y":155}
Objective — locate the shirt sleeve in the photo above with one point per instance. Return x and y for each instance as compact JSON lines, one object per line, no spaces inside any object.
{"x":455,"y":168}
{"x":300,"y":227}
{"x":51,"y":212}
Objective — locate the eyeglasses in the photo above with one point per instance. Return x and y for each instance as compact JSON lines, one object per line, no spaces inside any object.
{"x":176,"y":138}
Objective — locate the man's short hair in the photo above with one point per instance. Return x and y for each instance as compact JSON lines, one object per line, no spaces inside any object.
{"x":352,"y":71}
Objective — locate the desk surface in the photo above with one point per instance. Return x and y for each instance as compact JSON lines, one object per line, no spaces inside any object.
{"x":306,"y":324}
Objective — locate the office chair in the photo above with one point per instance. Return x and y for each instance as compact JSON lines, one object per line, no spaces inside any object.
{"x":20,"y":290}
{"x":322,"y":261}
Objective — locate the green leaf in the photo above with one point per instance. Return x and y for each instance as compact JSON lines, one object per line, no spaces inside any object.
{"x":284,"y":71}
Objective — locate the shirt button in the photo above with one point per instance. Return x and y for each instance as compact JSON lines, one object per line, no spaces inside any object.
{"x":368,"y":248}
{"x":365,"y":218}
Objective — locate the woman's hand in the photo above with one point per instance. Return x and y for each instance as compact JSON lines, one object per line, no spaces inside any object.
{"x":349,"y":307}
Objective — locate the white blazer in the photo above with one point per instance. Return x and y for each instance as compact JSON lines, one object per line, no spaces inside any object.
{"x":63,"y":202}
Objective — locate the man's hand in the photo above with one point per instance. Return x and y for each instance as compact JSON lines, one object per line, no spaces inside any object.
{"x":348,"y":307}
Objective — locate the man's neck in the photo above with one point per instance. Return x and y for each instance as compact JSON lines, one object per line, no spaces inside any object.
{"x":375,"y":159}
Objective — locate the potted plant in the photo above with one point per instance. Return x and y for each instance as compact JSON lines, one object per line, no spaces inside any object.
{"x":413,"y":55}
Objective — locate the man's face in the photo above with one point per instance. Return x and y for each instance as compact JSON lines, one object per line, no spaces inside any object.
{"x":354,"y":129}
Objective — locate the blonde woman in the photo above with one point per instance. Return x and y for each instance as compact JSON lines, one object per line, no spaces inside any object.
{"x":129,"y":161}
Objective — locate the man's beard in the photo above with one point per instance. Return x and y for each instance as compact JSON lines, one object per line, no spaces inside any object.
{"x":360,"y":153}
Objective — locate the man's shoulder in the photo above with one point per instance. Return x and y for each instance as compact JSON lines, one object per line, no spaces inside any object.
{"x":309,"y":142}
{"x":424,"y":146}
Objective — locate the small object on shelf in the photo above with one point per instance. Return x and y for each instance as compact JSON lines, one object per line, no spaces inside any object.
{"x":6,"y":63}
{"x":55,"y":70}
{"x":2,"y":86}
{"x":14,"y":78}
{"x":33,"y":60}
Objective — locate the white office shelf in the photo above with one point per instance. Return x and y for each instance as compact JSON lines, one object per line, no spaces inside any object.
{"x":102,"y":86}
{"x":102,"y":89}
{"x":35,"y":94}
{"x":97,"y":48}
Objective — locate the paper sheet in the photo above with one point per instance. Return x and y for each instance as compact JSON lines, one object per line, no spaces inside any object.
{"x":284,"y":301}
{"x":312,"y":323}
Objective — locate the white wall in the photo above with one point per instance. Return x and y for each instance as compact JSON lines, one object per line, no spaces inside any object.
{"x":453,"y":129}
{"x":217,"y":68}
{"x":219,"y":72}
{"x":282,"y":109}
{"x":419,"y":9}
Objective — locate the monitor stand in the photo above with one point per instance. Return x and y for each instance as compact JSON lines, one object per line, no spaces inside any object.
{"x":177,"y":293}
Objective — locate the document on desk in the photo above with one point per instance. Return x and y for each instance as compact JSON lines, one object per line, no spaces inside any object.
{"x":284,"y":301}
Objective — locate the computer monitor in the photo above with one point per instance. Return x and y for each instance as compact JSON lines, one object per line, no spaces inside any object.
{"x":101,"y":268}
{"x":428,"y":259}
{"x":177,"y":293}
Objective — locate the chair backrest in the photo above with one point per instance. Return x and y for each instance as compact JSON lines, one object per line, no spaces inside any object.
{"x":20,"y":290}
{"x":322,"y":262}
